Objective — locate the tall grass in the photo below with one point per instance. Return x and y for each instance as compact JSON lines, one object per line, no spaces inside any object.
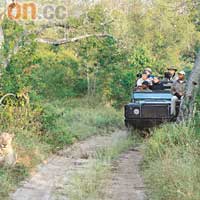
{"x":171,"y":163}
{"x":68,"y":121}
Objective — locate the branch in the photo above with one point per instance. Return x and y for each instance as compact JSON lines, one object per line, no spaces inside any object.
{"x":76,"y":39}
{"x":7,"y":95}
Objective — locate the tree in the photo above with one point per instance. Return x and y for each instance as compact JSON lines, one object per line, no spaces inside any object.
{"x":193,"y":86}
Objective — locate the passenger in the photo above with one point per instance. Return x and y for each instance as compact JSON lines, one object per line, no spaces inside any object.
{"x":167,"y":77}
{"x":146,"y":87}
{"x":172,"y":74}
{"x":178,"y":91}
{"x":138,"y":89}
{"x":142,"y":79}
{"x":157,"y":84}
{"x":148,"y":71}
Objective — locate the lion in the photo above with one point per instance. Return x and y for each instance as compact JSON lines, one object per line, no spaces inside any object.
{"x":8,"y":157}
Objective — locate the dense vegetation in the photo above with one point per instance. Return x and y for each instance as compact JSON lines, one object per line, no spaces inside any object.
{"x":105,"y":66}
{"x":171,"y":165}
{"x":69,"y":92}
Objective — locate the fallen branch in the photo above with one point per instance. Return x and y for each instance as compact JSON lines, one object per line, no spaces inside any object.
{"x":76,"y":39}
{"x":7,"y":95}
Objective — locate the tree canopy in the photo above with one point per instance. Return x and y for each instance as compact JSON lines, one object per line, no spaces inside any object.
{"x":100,"y":49}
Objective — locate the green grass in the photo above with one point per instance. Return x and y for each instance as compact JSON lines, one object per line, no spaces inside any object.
{"x":39,"y":131}
{"x":89,"y":183}
{"x":171,"y":163}
{"x":9,"y":178}
{"x":69,"y":121}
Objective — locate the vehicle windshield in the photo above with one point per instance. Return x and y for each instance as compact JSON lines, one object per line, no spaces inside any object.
{"x":150,"y":95}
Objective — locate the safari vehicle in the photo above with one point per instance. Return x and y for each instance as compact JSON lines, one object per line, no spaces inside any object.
{"x":148,"y":109}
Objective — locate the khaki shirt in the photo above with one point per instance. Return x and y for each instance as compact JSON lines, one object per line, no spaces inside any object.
{"x":178,"y":87}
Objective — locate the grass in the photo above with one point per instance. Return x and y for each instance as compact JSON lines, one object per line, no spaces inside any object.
{"x":39,"y":131}
{"x":171,"y":165}
{"x":89,"y":183}
{"x":9,"y":178}
{"x":69,"y":121}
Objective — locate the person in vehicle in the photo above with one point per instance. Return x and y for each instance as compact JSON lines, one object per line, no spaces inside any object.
{"x":178,"y":91}
{"x":149,"y":72}
{"x":142,"y":79}
{"x":157,"y":84}
{"x":146,"y":86}
{"x":172,"y":76}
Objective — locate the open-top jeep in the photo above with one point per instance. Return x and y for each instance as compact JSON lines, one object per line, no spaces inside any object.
{"x":148,"y":109}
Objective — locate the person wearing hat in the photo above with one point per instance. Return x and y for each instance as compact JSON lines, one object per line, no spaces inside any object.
{"x":149,"y":72}
{"x":172,"y":73}
{"x":178,"y":91}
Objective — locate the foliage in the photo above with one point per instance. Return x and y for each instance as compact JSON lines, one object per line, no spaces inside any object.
{"x":100,"y":66}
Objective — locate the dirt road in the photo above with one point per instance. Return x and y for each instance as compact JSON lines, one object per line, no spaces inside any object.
{"x":125,"y":182}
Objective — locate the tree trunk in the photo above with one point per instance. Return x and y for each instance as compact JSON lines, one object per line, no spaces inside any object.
{"x":1,"y":37}
{"x":193,"y":85}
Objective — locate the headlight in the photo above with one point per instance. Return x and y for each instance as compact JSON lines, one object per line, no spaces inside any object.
{"x":136,"y":111}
